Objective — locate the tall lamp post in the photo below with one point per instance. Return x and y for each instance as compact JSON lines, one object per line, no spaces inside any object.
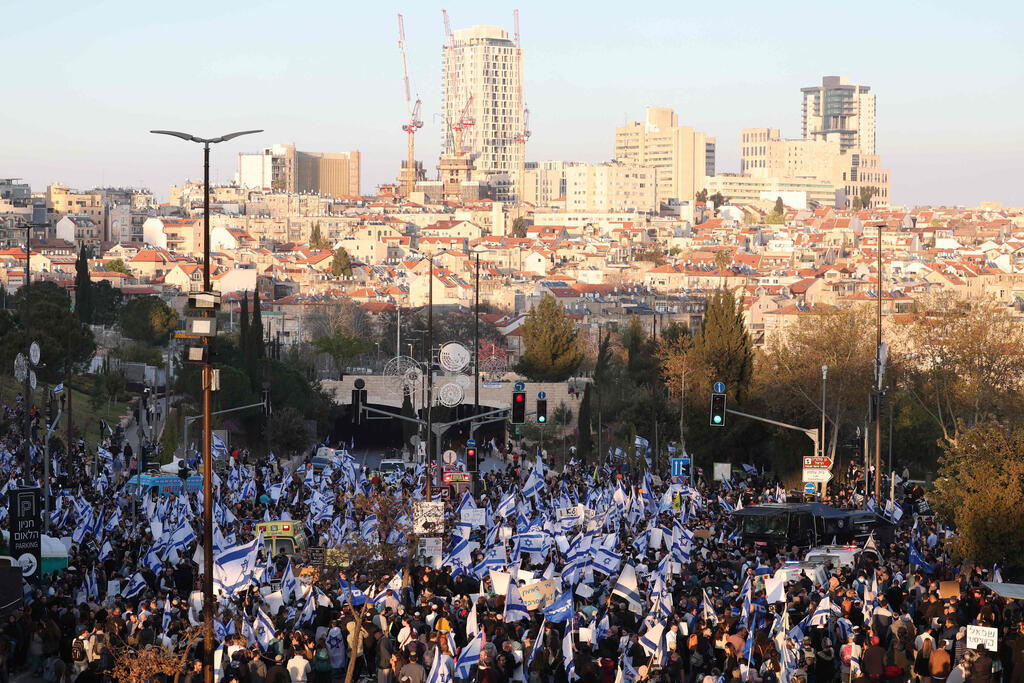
{"x":208,"y":635}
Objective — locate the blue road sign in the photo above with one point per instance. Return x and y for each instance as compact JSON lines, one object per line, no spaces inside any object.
{"x":719,"y":387}
{"x":810,"y":488}
{"x":520,"y":386}
{"x":679,"y":466}
{"x":471,"y":443}
{"x":542,"y":395}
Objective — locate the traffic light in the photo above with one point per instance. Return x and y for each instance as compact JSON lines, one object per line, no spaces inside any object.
{"x":518,"y":407}
{"x":542,"y":410}
{"x":470,"y":454}
{"x":717,"y":410}
{"x":358,"y":401}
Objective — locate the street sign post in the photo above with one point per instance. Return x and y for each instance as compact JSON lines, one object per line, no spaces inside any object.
{"x":718,"y":388}
{"x":810,"y":488}
{"x":26,"y":531}
{"x":817,"y":475}
{"x":818,"y":462}
{"x":680,"y":469}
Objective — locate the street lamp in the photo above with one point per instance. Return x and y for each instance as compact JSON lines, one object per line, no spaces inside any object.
{"x":208,"y":635}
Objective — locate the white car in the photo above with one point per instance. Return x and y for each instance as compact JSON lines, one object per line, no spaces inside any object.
{"x":837,"y":555}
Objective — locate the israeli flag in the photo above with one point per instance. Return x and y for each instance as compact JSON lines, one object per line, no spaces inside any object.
{"x":358,"y":596}
{"x":561,"y":609}
{"x":515,"y":608}
{"x":822,"y":612}
{"x":650,"y":641}
{"x":263,"y":629}
{"x":568,"y":655}
{"x":289,"y":585}
{"x":233,"y":568}
{"x":105,"y":551}
{"x":708,"y":609}
{"x":915,"y":558}
{"x":607,"y":561}
{"x":439,"y":672}
{"x":308,"y":611}
{"x":469,"y":657}
{"x":218,"y":446}
{"x":59,"y":389}
{"x":626,"y":588}
{"x":135,"y":586}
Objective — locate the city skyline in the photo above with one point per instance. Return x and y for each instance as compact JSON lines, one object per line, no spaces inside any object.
{"x":944,"y":127}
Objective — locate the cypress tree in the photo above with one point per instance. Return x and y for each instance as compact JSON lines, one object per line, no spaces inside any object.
{"x":83,"y":287}
{"x":256,"y":329}
{"x":243,"y":325}
{"x":722,"y":350}
{"x":586,"y":438}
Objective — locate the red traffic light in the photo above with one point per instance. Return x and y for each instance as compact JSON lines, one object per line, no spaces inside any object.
{"x":471,"y":452}
{"x":520,"y":398}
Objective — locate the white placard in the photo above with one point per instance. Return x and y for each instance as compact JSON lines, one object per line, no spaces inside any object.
{"x":476,"y":517}
{"x":982,"y":635}
{"x":428,"y":518}
{"x":817,"y":475}
{"x":500,"y":581}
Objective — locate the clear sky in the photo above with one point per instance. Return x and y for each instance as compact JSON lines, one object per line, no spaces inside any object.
{"x":83,"y":82}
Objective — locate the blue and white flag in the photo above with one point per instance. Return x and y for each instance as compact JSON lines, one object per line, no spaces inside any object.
{"x":515,"y":607}
{"x":626,"y":588}
{"x":136,"y":585}
{"x":568,"y":655}
{"x":219,"y":448}
{"x":469,"y":657}
{"x":59,"y":389}
{"x":650,"y":641}
{"x":915,"y":558}
{"x":439,"y":672}
{"x":561,"y":609}
{"x":263,"y":629}
{"x":233,"y":568}
{"x":165,"y":620}
{"x":308,"y":611}
{"x":607,"y":561}
{"x":822,"y":612}
{"x":289,"y":584}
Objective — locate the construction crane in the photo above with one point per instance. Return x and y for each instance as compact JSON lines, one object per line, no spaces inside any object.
{"x":524,"y":133}
{"x":413,"y":112}
{"x":465,"y":120}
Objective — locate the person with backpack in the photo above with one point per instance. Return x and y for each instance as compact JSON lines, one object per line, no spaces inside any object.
{"x":81,"y":652}
{"x":321,"y":662}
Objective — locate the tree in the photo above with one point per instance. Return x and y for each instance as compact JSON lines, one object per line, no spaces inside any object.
{"x":107,"y":303}
{"x":789,"y":374}
{"x":775,"y":218}
{"x":243,"y":325}
{"x":718,"y":199}
{"x":722,"y":350}
{"x":118,"y":266}
{"x":980,"y":487}
{"x":583,"y":422}
{"x":964,"y":361}
{"x":317,"y":240}
{"x":341,"y":265}
{"x":701,"y":196}
{"x":553,"y":349}
{"x":780,"y":207}
{"x":148,"y":319}
{"x":287,"y":432}
{"x":519,"y":227}
{"x":63,"y":339}
{"x":340,"y":347}
{"x":866,"y":194}
{"x":83,"y":287}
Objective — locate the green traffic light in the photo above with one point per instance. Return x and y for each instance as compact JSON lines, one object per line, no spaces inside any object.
{"x":542,"y":419}
{"x":718,"y":419}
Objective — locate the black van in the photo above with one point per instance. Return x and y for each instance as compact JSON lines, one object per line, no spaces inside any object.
{"x":778,"y":526}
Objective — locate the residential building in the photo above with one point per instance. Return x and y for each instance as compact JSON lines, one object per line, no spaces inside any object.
{"x":839,"y":111}
{"x":284,"y":169}
{"x":544,"y":181}
{"x":63,"y":201}
{"x":610,"y":187}
{"x":681,"y":156}
{"x":482,"y":75}
{"x":742,"y":189}
{"x":79,"y":230}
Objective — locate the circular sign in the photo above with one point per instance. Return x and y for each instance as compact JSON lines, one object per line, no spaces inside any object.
{"x":28,"y":563}
{"x":32,"y":379}
{"x":542,"y":395}
{"x":20,"y":367}
{"x":449,"y":457}
{"x":520,"y":386}
{"x":451,"y":395}
{"x":810,"y":489}
{"x":719,"y":387}
{"x":33,"y":353}
{"x":453,"y":356}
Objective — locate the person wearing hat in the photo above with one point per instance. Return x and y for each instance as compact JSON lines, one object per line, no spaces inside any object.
{"x":413,"y":671}
{"x":277,"y":672}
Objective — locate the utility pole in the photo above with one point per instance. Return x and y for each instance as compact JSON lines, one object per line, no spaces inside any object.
{"x":476,"y":343}
{"x":28,"y":356}
{"x":430,"y":375}
{"x":880,"y":370}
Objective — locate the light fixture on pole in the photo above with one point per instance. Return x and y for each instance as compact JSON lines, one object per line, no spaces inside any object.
{"x":205,"y":335}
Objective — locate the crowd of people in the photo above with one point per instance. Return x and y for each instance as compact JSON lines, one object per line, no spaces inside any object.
{"x":586,"y":573}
